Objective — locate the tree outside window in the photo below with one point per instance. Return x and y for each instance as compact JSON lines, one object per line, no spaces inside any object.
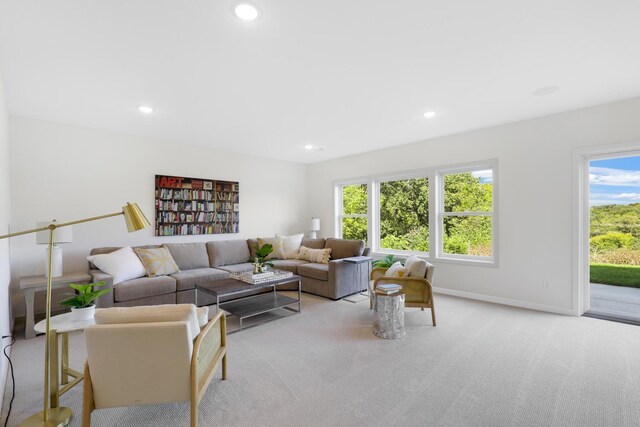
{"x":353,"y":220}
{"x":404,"y":215}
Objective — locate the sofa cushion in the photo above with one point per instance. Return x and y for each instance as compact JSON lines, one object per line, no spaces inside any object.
{"x":288,"y":264}
{"x":189,"y":256}
{"x":237,"y":268}
{"x":313,"y":243}
{"x":143,"y":287}
{"x":152,"y":314}
{"x":157,"y":261}
{"x":123,"y":264}
{"x":276,"y":243}
{"x":190,"y":278}
{"x":344,"y":248}
{"x":315,"y":271}
{"x":253,"y":246}
{"x":227,"y":252}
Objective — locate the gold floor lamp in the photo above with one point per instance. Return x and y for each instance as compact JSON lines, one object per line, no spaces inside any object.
{"x":59,"y":416}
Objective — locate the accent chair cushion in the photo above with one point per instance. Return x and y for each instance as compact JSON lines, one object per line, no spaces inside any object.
{"x":123,"y":264}
{"x":416,"y":267}
{"x":157,"y":261}
{"x":227,"y":252}
{"x":344,"y":248}
{"x":320,"y":256}
{"x":153,"y":314}
{"x":189,"y":256}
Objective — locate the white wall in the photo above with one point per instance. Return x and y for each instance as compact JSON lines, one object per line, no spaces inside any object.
{"x":65,"y":172}
{"x":535,"y":197}
{"x":5,"y":211}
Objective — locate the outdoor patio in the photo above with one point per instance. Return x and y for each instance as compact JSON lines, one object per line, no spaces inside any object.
{"x":615,"y":302}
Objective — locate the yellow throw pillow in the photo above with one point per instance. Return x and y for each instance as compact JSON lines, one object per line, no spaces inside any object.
{"x":157,"y":261}
{"x":276,"y":242}
{"x":319,"y":256}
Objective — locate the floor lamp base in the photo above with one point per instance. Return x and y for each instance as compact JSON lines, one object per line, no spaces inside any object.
{"x":58,"y":417}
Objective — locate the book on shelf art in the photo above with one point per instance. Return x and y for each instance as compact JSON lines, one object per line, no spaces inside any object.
{"x":187,"y":206}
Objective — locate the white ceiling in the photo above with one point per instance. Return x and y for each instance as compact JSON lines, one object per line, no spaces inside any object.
{"x":347,"y":75}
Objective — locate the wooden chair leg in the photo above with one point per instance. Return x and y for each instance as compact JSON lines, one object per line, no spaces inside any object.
{"x":194,"y":411}
{"x":224,"y":367}
{"x":433,"y":315}
{"x":88,"y":405}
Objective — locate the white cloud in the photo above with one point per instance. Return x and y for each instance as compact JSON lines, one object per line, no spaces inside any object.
{"x":618,"y":177}
{"x":485,"y":176}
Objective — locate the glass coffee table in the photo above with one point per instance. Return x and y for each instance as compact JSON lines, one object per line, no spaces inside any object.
{"x":253,"y":305}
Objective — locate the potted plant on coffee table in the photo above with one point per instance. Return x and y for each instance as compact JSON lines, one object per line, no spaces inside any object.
{"x":260,"y":262}
{"x":82,"y":302}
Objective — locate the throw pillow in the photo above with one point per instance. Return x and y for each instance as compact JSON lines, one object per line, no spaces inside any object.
{"x":157,"y":261}
{"x":291,"y":245}
{"x":276,"y":242}
{"x":319,"y":256}
{"x":396,"y":270}
{"x":122,"y":264}
{"x":415,"y":266}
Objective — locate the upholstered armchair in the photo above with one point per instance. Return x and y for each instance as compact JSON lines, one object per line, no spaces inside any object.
{"x":417,"y":288}
{"x":152,"y":354}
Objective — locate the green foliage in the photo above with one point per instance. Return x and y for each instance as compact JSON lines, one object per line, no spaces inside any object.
{"x":618,"y":275}
{"x":619,"y":218}
{"x":404,"y":214}
{"x":85,"y":295}
{"x":261,"y":254}
{"x":387,"y":261}
{"x":611,"y":240}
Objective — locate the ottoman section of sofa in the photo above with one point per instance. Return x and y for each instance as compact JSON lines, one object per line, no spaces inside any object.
{"x":144,"y":287}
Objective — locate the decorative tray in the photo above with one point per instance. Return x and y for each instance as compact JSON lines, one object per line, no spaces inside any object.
{"x":254,"y":279}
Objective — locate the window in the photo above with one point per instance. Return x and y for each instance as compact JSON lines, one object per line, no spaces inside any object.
{"x":353,"y":212}
{"x":404,"y":215}
{"x":440,"y":213}
{"x":467,"y":213}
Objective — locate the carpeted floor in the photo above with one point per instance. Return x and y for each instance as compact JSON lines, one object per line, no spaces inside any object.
{"x":483,"y":365}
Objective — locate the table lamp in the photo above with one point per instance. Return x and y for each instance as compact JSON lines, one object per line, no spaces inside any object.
{"x":314,"y":226}
{"x":53,"y":415}
{"x":64,"y":235}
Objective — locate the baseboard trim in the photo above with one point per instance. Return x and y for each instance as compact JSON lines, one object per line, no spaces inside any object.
{"x":506,"y":301}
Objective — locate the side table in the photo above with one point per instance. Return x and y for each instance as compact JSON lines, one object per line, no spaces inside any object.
{"x":61,"y":325}
{"x":31,"y":284}
{"x":357,"y":276}
{"x":388,"y":315}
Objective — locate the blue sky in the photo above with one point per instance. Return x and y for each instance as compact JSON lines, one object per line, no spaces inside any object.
{"x":614,"y":181}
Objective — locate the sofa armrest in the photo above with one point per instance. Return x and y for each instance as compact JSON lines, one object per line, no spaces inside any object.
{"x":107,"y":299}
{"x":348,"y":278}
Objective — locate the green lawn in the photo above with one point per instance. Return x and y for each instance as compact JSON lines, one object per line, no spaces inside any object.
{"x":619,"y":275}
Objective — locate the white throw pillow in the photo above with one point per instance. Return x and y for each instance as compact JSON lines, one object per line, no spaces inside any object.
{"x":122,"y":264}
{"x":291,"y":245}
{"x":396,"y":270}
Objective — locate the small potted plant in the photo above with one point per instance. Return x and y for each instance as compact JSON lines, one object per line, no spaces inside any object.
{"x":259,"y":261}
{"x":82,"y":302}
{"x":386,"y":262}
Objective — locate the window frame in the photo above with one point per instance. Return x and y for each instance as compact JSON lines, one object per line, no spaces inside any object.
{"x":441,"y":214}
{"x":435,"y":177}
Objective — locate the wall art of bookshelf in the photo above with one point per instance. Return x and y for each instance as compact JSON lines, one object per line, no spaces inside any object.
{"x":187,"y":206}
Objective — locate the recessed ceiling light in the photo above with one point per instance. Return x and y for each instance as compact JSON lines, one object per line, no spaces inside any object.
{"x":429,"y":114}
{"x":145,"y":109}
{"x":246,"y":12}
{"x":311,"y":147}
{"x":544,"y":91}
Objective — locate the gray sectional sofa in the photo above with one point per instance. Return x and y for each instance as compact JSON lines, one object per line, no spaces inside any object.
{"x":203,"y":262}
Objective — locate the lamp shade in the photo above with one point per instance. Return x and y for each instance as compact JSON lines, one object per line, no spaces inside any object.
{"x":314,"y":224}
{"x":61,"y":235}
{"x":134,"y":217}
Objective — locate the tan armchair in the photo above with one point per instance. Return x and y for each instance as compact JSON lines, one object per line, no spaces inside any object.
{"x":145,"y":355}
{"x":418,"y":290}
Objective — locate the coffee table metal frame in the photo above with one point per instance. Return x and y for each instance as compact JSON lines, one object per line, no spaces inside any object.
{"x":252,"y":305}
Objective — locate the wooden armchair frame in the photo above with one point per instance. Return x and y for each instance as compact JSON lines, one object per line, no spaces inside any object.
{"x":418,"y":290}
